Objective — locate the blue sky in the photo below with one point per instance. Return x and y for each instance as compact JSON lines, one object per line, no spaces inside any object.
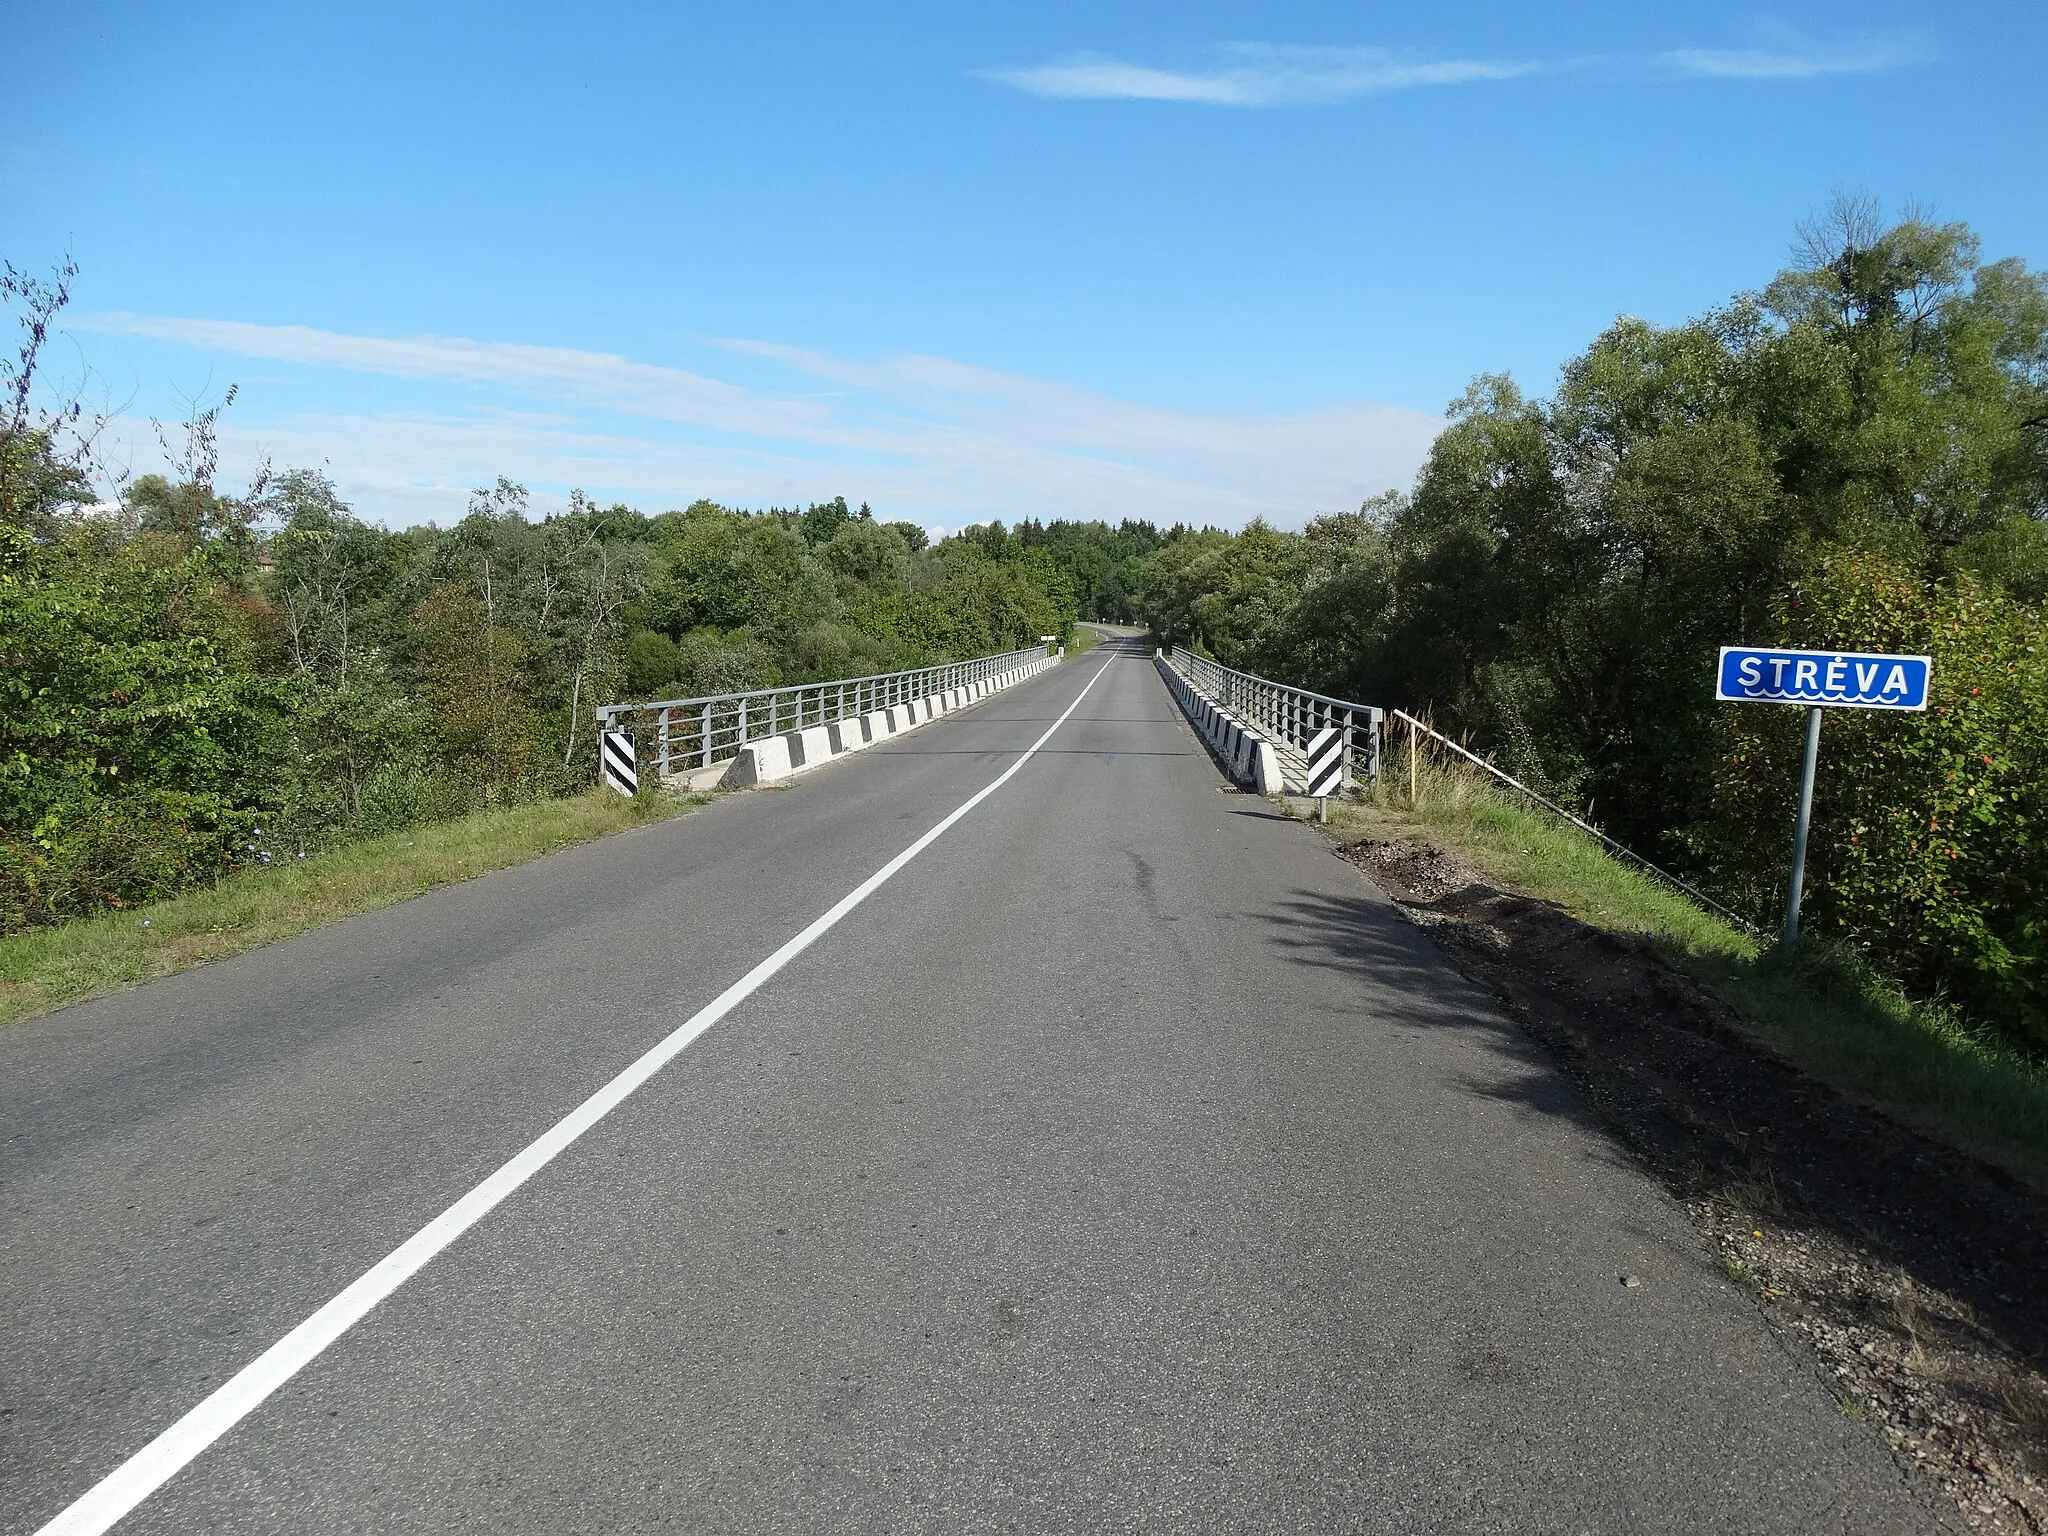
{"x":1197,"y":261}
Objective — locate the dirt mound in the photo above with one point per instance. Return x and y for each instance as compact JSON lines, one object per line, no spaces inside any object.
{"x":1411,"y":871}
{"x":1918,"y":1276}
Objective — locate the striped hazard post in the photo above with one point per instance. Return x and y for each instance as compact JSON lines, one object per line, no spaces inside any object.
{"x":616,"y":754}
{"x":1326,"y":766}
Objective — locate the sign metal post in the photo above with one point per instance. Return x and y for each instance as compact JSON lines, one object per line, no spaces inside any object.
{"x":1798,"y":881}
{"x":1818,"y":680}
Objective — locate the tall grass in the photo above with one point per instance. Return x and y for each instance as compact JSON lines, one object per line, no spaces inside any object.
{"x":1517,"y":842}
{"x":1825,"y":1008}
{"x":47,"y":968}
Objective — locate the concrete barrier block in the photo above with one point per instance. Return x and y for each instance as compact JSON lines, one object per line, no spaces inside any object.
{"x":810,"y":746}
{"x":877,"y":724}
{"x":760,"y":762}
{"x":848,"y":735}
{"x":1266,"y":769}
{"x":901,"y":718}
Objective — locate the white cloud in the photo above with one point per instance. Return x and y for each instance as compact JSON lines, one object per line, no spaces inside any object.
{"x":945,"y":442}
{"x":592,"y":378}
{"x":1255,"y":75}
{"x":1793,"y":60}
{"x":1280,"y":75}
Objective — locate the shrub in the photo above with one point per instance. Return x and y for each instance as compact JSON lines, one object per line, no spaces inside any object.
{"x":1929,"y":849}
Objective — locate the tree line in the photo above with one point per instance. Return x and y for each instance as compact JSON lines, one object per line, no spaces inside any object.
{"x":193,"y":681}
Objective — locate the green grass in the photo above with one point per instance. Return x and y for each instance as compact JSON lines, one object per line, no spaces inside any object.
{"x":1825,"y":1010}
{"x":46,"y":968}
{"x":1738,"y":1271}
{"x":1083,"y":640}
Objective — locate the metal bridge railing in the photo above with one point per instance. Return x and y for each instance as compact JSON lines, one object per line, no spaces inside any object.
{"x":681,"y":735}
{"x":1289,"y":717}
{"x":1294,"y":714}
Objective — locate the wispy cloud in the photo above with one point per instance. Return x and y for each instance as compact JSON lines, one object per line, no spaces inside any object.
{"x":1280,"y":75}
{"x":943,"y":441}
{"x":1794,"y":60}
{"x":1255,"y":75}
{"x":592,"y":378}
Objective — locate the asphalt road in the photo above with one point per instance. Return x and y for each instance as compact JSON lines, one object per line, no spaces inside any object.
{"x":1123,"y":1162}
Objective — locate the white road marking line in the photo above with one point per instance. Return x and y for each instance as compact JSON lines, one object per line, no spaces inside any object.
{"x":157,"y":1462}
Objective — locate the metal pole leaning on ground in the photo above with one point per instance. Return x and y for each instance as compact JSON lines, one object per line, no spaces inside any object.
{"x":1799,"y":830}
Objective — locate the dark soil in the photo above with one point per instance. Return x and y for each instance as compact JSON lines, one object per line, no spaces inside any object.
{"x":1915,"y":1276}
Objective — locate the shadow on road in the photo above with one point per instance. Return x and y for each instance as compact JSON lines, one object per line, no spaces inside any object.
{"x":1411,"y":986}
{"x":1911,"y":1267}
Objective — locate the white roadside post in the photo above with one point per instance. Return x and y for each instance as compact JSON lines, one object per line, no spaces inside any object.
{"x":1818,"y":680}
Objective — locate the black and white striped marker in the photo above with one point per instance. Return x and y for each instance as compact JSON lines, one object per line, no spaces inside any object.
{"x":1326,"y":762}
{"x":620,"y":772}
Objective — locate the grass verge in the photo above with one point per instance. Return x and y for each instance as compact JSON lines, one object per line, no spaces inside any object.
{"x":1825,"y":1010}
{"x":1083,"y":640}
{"x":46,"y":968}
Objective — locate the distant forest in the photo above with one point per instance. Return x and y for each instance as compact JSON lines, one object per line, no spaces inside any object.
{"x":1854,"y":456}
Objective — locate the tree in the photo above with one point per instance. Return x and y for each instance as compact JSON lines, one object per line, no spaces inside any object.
{"x":46,"y":451}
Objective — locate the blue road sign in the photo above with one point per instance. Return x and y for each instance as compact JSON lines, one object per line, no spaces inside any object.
{"x":1834,"y":679}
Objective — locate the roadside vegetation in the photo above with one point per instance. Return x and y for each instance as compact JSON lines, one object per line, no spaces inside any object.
{"x":1827,"y":1010}
{"x":47,"y":967}
{"x":196,"y":683}
{"x":1853,"y":457}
